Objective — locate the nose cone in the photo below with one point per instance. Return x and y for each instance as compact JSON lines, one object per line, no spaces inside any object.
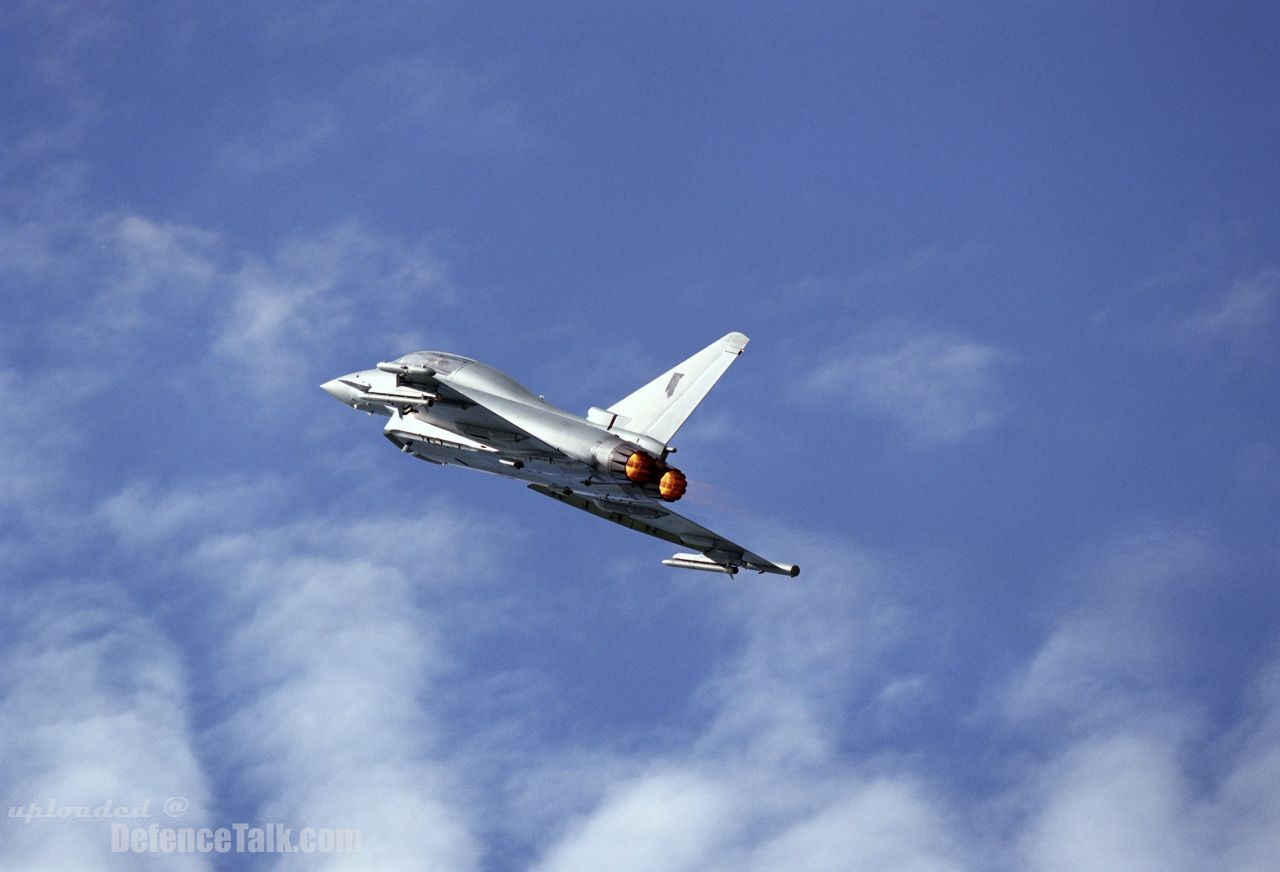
{"x":340,"y":390}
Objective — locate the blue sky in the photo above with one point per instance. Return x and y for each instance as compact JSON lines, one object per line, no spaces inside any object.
{"x":1012,"y":279}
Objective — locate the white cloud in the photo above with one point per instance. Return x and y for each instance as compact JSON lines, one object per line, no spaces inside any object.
{"x":332,"y":643}
{"x":911,"y":272}
{"x":666,"y":820}
{"x":1114,"y":652}
{"x":882,"y":824}
{"x":92,"y":282}
{"x":939,"y":387}
{"x":93,"y":708}
{"x":728,"y":815}
{"x":150,"y":276}
{"x":283,"y":311}
{"x":1159,"y":791}
{"x":431,"y":100}
{"x":1099,"y":762}
{"x":185,"y":289}
{"x":143,"y":513}
{"x":1242,"y":316}
{"x":446,"y":101}
{"x":329,"y":670}
{"x":1115,"y":804}
{"x":295,"y":129}
{"x":1246,"y":815}
{"x":326,"y":649}
{"x":30,"y":451}
{"x":53,"y":51}
{"x":1120,"y":770}
{"x":765,"y":784}
{"x":153,"y":253}
{"x":808,"y":652}
{"x":1203,"y":301}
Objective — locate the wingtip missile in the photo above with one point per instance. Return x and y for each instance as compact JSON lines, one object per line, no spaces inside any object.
{"x":706,"y":564}
{"x":699,"y":562}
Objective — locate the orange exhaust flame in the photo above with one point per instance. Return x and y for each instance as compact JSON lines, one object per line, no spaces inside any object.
{"x":653,"y":474}
{"x":642,"y":469}
{"x":672,"y":485}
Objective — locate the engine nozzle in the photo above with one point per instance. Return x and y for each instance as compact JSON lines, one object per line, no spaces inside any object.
{"x":649,"y":472}
{"x":642,"y":469}
{"x":671,"y":486}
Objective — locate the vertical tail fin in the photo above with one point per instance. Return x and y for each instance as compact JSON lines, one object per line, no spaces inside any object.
{"x":659,"y":408}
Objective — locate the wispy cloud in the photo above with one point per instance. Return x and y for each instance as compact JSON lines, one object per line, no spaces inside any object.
{"x":880,"y":823}
{"x":1203,"y":300}
{"x":333,"y":641}
{"x":1120,"y":802}
{"x":1104,"y":764}
{"x":201,"y":597}
{"x":53,"y":52}
{"x":1158,"y":791}
{"x":328,"y":673}
{"x":126,"y":275}
{"x":143,"y":513}
{"x":905,"y":275}
{"x":330,"y":643}
{"x":1116,"y":650}
{"x":30,"y":455}
{"x":734,"y":817}
{"x":765,"y":783}
{"x":290,"y":646}
{"x":938,"y":386}
{"x":283,"y":310}
{"x":1125,"y":771}
{"x":293,"y":131}
{"x":438,"y":103}
{"x":1242,"y":316}
{"x":87,"y":280}
{"x":94,"y":708}
{"x":663,"y":820}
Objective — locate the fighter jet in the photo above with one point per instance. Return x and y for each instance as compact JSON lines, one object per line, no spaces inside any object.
{"x":455,"y":411}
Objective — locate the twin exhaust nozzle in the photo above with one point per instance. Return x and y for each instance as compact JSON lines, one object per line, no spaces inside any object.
{"x":644,"y":470}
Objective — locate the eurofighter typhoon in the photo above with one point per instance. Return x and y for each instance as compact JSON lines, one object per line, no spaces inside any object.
{"x":455,"y":411}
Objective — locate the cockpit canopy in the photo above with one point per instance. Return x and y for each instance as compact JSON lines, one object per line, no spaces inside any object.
{"x":465,"y":372}
{"x":445,"y":364}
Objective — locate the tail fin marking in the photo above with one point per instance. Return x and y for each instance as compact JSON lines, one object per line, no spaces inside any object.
{"x":660,"y":408}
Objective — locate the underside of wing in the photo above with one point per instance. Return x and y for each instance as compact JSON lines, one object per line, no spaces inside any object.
{"x":714,"y":552}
